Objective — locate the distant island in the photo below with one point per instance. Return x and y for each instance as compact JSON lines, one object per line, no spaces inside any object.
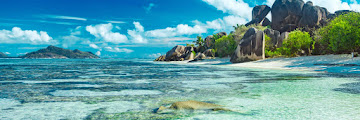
{"x":2,"y":55}
{"x":52,"y":52}
{"x":56,"y":52}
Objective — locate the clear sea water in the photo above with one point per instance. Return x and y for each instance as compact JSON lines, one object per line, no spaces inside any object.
{"x":133,"y":89}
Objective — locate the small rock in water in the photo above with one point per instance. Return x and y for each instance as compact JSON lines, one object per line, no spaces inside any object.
{"x":192,"y":105}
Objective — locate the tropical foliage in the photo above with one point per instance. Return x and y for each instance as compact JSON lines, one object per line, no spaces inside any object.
{"x":342,"y":35}
{"x":225,"y":46}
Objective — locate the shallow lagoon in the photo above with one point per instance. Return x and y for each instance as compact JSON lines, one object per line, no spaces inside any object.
{"x":132,"y":89}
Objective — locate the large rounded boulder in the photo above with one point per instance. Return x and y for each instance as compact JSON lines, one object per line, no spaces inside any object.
{"x":251,"y":47}
{"x":286,"y":14}
{"x":176,"y":53}
{"x":259,"y":14}
{"x":209,"y":42}
{"x":312,"y":15}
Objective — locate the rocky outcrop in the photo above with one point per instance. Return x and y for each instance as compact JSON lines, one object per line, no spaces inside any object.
{"x":161,"y":58}
{"x":251,"y":47}
{"x":176,"y":53}
{"x":2,"y":55}
{"x":200,"y":56}
{"x":259,"y":14}
{"x":221,"y":34}
{"x":286,"y":14}
{"x":274,"y":35}
{"x":56,"y":52}
{"x":283,"y":37}
{"x":266,"y":22}
{"x":312,"y":16}
{"x":209,"y":53}
{"x":209,"y":42}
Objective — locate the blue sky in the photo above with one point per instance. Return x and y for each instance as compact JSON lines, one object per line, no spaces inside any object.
{"x":123,"y":28}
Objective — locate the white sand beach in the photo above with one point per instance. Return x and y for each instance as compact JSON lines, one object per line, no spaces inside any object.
{"x":327,"y":63}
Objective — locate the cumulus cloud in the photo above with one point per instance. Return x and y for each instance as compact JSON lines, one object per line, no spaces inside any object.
{"x":118,"y":50}
{"x":155,"y":55}
{"x":137,"y":35}
{"x":104,"y":32}
{"x":234,"y":7}
{"x":240,"y":13}
{"x":94,"y":46}
{"x":7,"y":53}
{"x":17,"y":35}
{"x":98,"y":53}
{"x":181,"y":29}
{"x":217,"y":25}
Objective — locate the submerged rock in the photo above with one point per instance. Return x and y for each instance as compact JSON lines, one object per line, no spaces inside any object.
{"x":251,"y":47}
{"x":192,"y":105}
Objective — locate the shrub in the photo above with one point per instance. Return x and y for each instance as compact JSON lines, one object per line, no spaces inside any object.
{"x":270,"y":49}
{"x":342,"y":35}
{"x":225,"y":46}
{"x":295,"y":43}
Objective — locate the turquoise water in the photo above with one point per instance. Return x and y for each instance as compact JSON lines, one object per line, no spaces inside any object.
{"x":132,"y":89}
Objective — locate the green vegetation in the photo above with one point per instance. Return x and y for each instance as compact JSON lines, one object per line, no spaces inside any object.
{"x":188,"y":45}
{"x":270,"y":48}
{"x":199,"y":41}
{"x":297,"y":42}
{"x":225,"y":46}
{"x":342,"y":35}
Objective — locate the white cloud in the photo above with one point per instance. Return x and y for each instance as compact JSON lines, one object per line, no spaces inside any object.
{"x":118,"y":22}
{"x":138,"y":27}
{"x":98,"y":53}
{"x":65,"y":17}
{"x":223,"y":24}
{"x":234,"y":20}
{"x":118,"y":50}
{"x":7,"y":53}
{"x":17,"y":35}
{"x":234,"y":7}
{"x":181,"y":29}
{"x":155,"y":55}
{"x":103,"y":31}
{"x":137,"y":35}
{"x":94,"y":46}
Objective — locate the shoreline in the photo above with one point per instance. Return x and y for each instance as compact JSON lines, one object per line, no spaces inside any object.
{"x":342,"y":63}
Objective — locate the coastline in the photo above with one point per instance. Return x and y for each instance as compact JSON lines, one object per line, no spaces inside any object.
{"x":342,"y":63}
